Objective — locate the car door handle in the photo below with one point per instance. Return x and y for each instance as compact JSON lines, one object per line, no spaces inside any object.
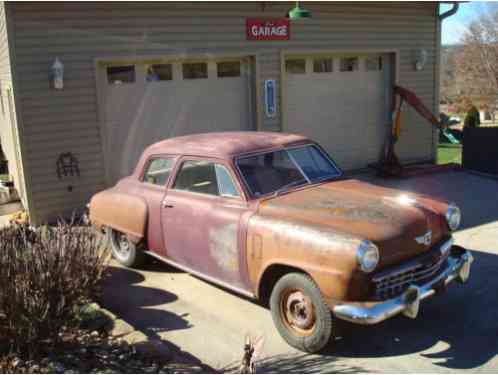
{"x":165,"y":205}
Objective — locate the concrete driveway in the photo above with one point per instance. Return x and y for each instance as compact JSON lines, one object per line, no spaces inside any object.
{"x":456,"y":332}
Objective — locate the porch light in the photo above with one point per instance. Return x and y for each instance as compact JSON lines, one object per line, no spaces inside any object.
{"x":298,"y":13}
{"x":57,"y":74}
{"x":420,"y":59}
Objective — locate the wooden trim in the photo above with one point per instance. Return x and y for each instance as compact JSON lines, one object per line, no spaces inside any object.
{"x":24,"y":174}
{"x":170,"y":58}
{"x":101,"y":116}
{"x":257,"y":94}
{"x":283,"y":98}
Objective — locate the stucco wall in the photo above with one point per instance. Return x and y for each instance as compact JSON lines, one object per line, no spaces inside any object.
{"x":77,"y":33}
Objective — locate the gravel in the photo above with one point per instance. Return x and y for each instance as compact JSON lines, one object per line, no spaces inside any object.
{"x":93,"y":352}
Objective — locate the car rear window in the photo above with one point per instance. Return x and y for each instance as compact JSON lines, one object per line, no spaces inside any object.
{"x":158,"y":171}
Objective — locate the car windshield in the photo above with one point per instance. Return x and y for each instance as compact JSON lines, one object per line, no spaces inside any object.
{"x":277,"y":171}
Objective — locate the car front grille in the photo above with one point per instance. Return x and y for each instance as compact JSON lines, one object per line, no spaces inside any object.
{"x":392,"y":282}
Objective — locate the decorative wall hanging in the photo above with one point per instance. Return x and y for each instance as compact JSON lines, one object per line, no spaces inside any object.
{"x":67,"y":165}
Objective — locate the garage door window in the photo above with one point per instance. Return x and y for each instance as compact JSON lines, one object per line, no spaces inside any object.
{"x":373,"y":63}
{"x":159,"y":72}
{"x":158,"y":171}
{"x":349,"y":64}
{"x":121,"y":74}
{"x":322,"y":65}
{"x":295,"y":66}
{"x":228,"y":69}
{"x":194,"y":70}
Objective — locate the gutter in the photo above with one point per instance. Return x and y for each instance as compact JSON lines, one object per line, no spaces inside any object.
{"x":450,"y":12}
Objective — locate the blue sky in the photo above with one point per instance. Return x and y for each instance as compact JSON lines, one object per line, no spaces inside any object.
{"x":454,"y":26}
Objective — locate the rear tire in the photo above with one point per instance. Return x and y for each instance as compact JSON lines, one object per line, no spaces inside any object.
{"x":300,"y":314}
{"x":123,"y":250}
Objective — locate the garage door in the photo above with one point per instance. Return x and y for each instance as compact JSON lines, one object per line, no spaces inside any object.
{"x":341,"y":102}
{"x":150,"y":101}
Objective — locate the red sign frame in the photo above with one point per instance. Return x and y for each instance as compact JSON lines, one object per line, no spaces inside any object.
{"x":267,"y":29}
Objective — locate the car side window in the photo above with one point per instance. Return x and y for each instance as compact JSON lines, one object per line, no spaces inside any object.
{"x":226,"y":185}
{"x":158,"y":171}
{"x":206,"y":178}
{"x":198,"y":177}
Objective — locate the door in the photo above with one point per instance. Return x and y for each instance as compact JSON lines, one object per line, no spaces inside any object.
{"x":152,"y":188}
{"x":201,"y":217}
{"x":342,"y":102}
{"x":146,"y":102}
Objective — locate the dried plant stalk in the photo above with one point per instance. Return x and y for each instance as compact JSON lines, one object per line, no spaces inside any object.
{"x":46,"y":274}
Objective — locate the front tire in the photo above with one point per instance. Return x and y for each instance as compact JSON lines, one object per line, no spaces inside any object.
{"x":300,"y":314}
{"x":123,"y":250}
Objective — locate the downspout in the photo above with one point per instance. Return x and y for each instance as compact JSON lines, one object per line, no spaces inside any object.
{"x":450,"y":12}
{"x":437,"y":72}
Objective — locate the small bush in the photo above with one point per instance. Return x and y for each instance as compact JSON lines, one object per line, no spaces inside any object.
{"x":472,"y":119}
{"x":46,"y":275}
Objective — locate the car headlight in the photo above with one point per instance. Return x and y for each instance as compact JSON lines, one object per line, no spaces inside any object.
{"x":367,"y":256}
{"x":453,"y":216}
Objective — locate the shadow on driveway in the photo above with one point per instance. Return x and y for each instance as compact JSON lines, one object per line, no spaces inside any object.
{"x":134,"y":304}
{"x":464,"y":319}
{"x":299,"y":364}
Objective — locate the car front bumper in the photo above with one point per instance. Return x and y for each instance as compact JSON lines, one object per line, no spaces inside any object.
{"x":458,"y":268}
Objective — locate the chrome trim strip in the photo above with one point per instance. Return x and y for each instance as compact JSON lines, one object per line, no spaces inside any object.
{"x":376,"y":312}
{"x":201,"y":275}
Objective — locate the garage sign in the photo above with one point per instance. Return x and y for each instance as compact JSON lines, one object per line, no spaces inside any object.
{"x":267,"y":29}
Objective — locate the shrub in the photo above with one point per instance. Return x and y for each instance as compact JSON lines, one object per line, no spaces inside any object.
{"x":46,"y":275}
{"x":472,"y":118}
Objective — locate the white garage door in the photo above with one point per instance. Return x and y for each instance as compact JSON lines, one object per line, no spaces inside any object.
{"x":341,"y":102}
{"x":147,"y":102}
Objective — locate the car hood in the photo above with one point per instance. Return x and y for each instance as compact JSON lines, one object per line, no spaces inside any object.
{"x":390,"y":218}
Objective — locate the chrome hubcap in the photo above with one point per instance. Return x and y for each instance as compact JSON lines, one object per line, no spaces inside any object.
{"x":123,"y":245}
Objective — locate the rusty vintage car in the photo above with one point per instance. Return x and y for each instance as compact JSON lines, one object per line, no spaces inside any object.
{"x":271,"y":216}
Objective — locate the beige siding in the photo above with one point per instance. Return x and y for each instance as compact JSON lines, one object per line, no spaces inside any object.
{"x":77,"y":33}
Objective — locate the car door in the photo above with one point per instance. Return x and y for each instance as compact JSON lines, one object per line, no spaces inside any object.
{"x":153,"y":180}
{"x":201,"y":216}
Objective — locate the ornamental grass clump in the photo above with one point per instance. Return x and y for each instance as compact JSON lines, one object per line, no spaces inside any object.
{"x":46,"y":275}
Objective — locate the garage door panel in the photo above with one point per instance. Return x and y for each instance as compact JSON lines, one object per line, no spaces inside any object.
{"x":141,"y":113}
{"x":344,"y":111}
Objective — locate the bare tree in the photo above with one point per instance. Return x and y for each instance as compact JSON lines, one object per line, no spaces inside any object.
{"x":477,"y":62}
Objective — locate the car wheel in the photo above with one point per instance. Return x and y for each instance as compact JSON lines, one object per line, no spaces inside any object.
{"x":300,"y":314}
{"x":123,"y":250}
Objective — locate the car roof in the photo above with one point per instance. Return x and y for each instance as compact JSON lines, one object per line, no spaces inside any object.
{"x":224,"y":145}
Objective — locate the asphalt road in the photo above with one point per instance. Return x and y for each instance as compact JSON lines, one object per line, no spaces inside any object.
{"x":455,"y":332}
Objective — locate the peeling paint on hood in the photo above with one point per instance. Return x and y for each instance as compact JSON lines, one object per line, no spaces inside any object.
{"x":390,"y":218}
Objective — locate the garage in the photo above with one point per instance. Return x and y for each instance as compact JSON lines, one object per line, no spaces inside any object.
{"x":341,"y":101}
{"x":100,"y":82}
{"x":147,"y":101}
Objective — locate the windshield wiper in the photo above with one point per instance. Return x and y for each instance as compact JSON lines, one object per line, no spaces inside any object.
{"x":287,"y":186}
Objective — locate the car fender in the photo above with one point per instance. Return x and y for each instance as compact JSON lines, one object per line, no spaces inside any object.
{"x":327,"y":256}
{"x":120,"y":211}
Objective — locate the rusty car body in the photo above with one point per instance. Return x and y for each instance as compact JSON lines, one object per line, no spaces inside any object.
{"x":316,"y":247}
